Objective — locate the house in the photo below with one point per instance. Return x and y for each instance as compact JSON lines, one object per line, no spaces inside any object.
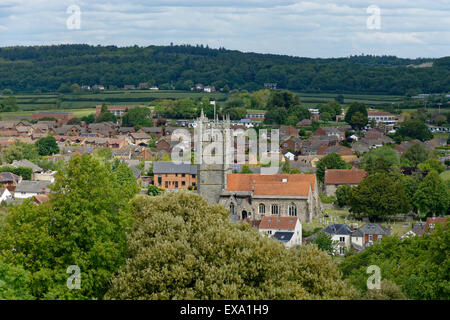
{"x":255,"y":116}
{"x":40,"y":198}
{"x":288,"y":131}
{"x":289,"y":156}
{"x":367,"y":235}
{"x":256,"y":195}
{"x":156,"y":131}
{"x":118,"y":111}
{"x":70,"y":130}
{"x":293,"y":143}
{"x":165,"y":145}
{"x":25,"y":163}
{"x":209,"y":89}
{"x":5,"y":194}
{"x":141,"y":139}
{"x":9,"y":180}
{"x":382,"y":118}
{"x":30,"y":188}
{"x":342,"y":234}
{"x":143,"y":85}
{"x":199,"y":86}
{"x":98,"y":87}
{"x":287,"y":230}
{"x":340,"y":150}
{"x":129,"y":87}
{"x":334,"y":178}
{"x":304,"y":123}
{"x":338,"y":132}
{"x":169,"y":175}
{"x":430,"y":225}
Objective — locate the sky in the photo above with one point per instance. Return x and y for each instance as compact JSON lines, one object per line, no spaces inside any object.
{"x":333,"y":28}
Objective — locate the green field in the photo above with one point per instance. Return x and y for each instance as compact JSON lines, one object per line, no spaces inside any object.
{"x":84,"y":103}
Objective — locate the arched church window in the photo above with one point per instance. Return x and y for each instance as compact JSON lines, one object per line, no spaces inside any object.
{"x":232,"y":208}
{"x":262,"y":209}
{"x":275,"y":209}
{"x":292,"y":210}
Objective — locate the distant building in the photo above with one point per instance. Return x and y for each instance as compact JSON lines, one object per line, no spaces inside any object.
{"x":169,"y":175}
{"x":382,"y":118}
{"x":118,"y":111}
{"x":270,"y":85}
{"x":143,"y":85}
{"x":61,"y":117}
{"x":129,"y":87}
{"x":287,"y":230}
{"x":334,"y":178}
{"x":367,"y":235}
{"x":209,"y":89}
{"x":255,"y":116}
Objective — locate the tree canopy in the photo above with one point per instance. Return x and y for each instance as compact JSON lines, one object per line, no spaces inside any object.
{"x":182,"y":248}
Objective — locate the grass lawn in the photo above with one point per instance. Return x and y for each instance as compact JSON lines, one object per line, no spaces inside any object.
{"x":445,"y":175}
{"x":339,"y":216}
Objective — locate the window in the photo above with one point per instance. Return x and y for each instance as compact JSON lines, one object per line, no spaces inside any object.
{"x":262,"y":209}
{"x":183,"y":183}
{"x":232,"y":208}
{"x":342,"y":239}
{"x":183,"y":175}
{"x":176,"y":184}
{"x":269,"y":232}
{"x":341,"y":250}
{"x":292,"y":210}
{"x":167,"y":184}
{"x":370,"y":238}
{"x":275,"y":209}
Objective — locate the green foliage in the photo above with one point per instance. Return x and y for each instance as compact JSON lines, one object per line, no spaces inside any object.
{"x":20,"y":151}
{"x":378,"y":159}
{"x":416,"y":154}
{"x":327,"y":199}
{"x":379,"y":196}
{"x":47,"y":146}
{"x":9,"y":104}
{"x":83,"y":224}
{"x":42,"y":68}
{"x":343,"y":195}
{"x":14,"y":282}
{"x":431,"y":164}
{"x":183,"y":248}
{"x":432,"y":195}
{"x":154,"y":190}
{"x":25,"y":173}
{"x":137,"y":117}
{"x":89,"y":119}
{"x":325,"y":243}
{"x":418,"y":265}
{"x":330,"y":161}
{"x":356,"y":115}
{"x":246,"y":169}
{"x":414,"y":129}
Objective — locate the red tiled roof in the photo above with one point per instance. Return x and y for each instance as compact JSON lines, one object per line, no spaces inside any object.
{"x":344,"y":176}
{"x":245,"y":182}
{"x":275,"y":222}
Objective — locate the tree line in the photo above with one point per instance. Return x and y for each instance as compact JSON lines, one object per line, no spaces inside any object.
{"x":46,"y":68}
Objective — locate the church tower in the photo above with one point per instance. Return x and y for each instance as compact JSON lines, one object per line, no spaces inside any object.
{"x":214,"y":156}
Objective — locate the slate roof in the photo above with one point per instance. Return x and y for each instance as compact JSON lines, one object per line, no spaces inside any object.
{"x":283,"y":236}
{"x":8,"y":177}
{"x":27,"y":164}
{"x":31,"y":186}
{"x":338,"y":228}
{"x":160,"y":167}
{"x":371,"y":228}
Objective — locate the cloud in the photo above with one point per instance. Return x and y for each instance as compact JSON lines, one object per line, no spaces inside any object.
{"x":327,"y":28}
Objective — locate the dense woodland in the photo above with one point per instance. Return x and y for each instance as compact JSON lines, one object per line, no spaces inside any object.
{"x":46,"y":68}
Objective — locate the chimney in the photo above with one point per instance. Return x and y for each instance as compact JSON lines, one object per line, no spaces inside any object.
{"x":43,"y":191}
{"x":351,"y":226}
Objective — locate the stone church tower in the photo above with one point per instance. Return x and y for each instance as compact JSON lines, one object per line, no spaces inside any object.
{"x":214,"y":155}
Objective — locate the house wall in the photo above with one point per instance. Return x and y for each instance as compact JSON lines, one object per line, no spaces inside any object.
{"x":24,"y":195}
{"x":173,"y":178}
{"x":330,"y":189}
{"x":296,"y":238}
{"x":347,"y":242}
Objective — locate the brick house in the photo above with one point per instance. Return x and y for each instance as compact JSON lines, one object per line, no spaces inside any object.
{"x":367,"y":235}
{"x":169,"y":175}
